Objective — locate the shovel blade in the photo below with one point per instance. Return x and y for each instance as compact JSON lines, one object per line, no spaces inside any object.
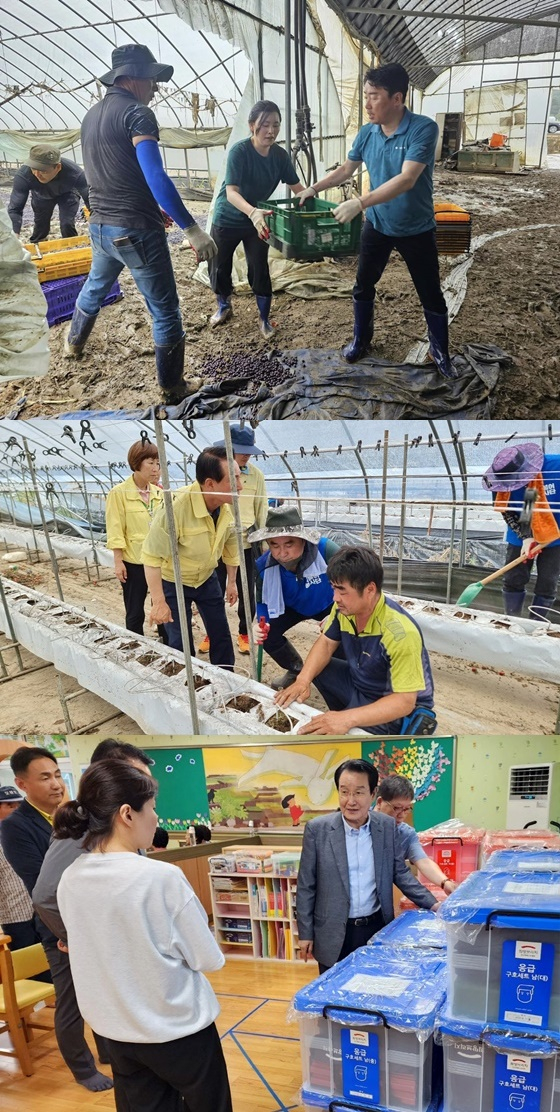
{"x":469,"y":594}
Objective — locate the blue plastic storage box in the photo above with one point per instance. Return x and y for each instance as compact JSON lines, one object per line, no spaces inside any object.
{"x":503,"y":949}
{"x":486,"y":1068}
{"x":415,"y":930}
{"x":366,"y":1031}
{"x":523,"y":861}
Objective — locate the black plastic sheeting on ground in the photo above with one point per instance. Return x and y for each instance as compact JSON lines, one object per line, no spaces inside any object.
{"x":324,"y":387}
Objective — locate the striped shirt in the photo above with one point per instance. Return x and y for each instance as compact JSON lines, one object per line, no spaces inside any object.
{"x":15,"y":903}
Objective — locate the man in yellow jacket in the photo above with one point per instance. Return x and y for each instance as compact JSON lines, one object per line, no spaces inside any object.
{"x":253,"y":507}
{"x":204,"y":524}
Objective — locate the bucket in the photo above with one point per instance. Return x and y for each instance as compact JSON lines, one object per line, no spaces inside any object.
{"x":497,"y":139}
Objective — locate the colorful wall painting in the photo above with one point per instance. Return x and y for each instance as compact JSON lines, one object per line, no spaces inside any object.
{"x":276,"y":785}
{"x":428,"y":763}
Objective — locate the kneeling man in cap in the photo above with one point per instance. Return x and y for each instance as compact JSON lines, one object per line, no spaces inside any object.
{"x":51,"y":181}
{"x":292,"y":585}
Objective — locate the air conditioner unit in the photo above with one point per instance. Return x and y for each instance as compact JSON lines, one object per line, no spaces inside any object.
{"x":533,"y":796}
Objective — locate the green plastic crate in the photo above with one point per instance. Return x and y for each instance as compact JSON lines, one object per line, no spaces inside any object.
{"x":310,"y":232}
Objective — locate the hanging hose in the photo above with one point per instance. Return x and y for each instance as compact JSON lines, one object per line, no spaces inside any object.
{"x":303,"y":144}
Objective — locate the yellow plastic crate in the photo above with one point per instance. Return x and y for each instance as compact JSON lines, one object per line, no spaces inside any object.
{"x":47,"y":245}
{"x":61,"y":258}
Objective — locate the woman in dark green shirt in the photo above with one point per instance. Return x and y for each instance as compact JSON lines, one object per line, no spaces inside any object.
{"x":255,"y":168}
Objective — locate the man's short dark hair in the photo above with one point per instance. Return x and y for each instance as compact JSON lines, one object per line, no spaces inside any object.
{"x":209,"y":464}
{"x":161,"y":838}
{"x":395,"y":787}
{"x":356,"y":565}
{"x":358,"y":765}
{"x":202,"y":833}
{"x":22,"y":758}
{"x":111,"y":749}
{"x":392,"y":77}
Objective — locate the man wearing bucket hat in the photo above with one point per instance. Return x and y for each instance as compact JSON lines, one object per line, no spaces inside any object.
{"x":383,"y":683}
{"x":515,"y":470}
{"x":252,"y":507}
{"x":292,"y":585}
{"x":51,"y":181}
{"x":128,"y":189}
{"x":16,"y":909}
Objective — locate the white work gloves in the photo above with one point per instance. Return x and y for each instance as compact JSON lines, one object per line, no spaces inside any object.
{"x":528,"y":548}
{"x":257,"y":217}
{"x":346,"y":212}
{"x":201,"y":242}
{"x":260,"y":631}
{"x":307,"y":194}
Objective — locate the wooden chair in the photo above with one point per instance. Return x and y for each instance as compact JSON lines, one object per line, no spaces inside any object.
{"x":18,"y":997}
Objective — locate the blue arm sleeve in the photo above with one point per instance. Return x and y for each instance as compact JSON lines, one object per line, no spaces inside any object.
{"x":167,"y":197}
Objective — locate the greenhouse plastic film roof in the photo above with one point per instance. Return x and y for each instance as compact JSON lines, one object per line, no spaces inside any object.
{"x":426,"y":45}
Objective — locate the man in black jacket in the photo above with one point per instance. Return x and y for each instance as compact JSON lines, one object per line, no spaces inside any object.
{"x":26,"y":836}
{"x":51,"y":181}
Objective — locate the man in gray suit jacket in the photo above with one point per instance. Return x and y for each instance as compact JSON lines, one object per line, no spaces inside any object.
{"x":349,"y":863}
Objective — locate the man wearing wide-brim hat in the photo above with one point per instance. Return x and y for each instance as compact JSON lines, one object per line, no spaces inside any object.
{"x":516,"y":469}
{"x":252,"y":508}
{"x":292,"y":585}
{"x":129,"y":187}
{"x":51,"y":180}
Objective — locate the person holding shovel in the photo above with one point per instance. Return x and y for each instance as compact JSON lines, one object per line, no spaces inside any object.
{"x":516,"y":469}
{"x":255,"y":167}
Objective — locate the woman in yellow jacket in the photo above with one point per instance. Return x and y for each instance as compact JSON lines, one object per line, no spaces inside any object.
{"x":129,"y":509}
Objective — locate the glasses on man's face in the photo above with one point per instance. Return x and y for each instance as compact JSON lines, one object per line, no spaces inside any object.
{"x":399,"y":809}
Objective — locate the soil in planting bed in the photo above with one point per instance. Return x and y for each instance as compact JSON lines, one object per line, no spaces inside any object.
{"x":172,"y":668}
{"x":244,"y":703}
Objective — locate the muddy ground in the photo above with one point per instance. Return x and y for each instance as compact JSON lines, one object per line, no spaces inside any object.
{"x":512,"y":300}
{"x":470,"y":698}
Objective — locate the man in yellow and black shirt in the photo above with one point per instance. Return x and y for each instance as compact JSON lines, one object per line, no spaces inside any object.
{"x":204,"y":524}
{"x":383,"y":682}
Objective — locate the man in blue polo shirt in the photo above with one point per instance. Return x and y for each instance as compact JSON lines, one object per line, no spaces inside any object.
{"x":398,"y":148}
{"x":384,"y":683}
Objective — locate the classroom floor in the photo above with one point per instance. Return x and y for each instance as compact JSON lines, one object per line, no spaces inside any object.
{"x":260,"y":1045}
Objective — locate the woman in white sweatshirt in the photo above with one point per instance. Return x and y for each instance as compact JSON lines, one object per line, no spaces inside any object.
{"x":139,"y":945}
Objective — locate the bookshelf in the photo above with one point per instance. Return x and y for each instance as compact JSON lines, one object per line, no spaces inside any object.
{"x":255,"y":912}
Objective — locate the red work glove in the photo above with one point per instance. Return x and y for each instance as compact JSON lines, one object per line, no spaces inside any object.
{"x":530,"y":548}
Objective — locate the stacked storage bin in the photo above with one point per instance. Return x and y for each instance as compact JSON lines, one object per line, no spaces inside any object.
{"x":455,"y":847}
{"x":366,"y":1030}
{"x":523,"y":861}
{"x":517,"y":839}
{"x":417,"y":930}
{"x":501,"y":1023}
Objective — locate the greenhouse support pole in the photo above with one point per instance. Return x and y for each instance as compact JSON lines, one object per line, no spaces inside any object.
{"x":170,"y":518}
{"x":366,"y":486}
{"x":460,"y":457}
{"x":50,"y":499}
{"x":383,"y":494}
{"x":288,"y":78}
{"x":32,"y":526}
{"x":295,"y":486}
{"x":50,"y":549}
{"x":88,"y":512}
{"x":443,"y":455}
{"x":403,"y":513}
{"x":240,"y":548}
{"x":11,"y":631}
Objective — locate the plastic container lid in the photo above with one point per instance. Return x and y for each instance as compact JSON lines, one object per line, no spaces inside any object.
{"x":452,"y":829}
{"x":404,"y":992}
{"x":542,"y":1043}
{"x":523,"y":860}
{"x":484,"y":893}
{"x":420,"y":930}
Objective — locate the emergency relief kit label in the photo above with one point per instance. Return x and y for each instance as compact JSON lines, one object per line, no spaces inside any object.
{"x":360,"y":1065}
{"x":532,"y":889}
{"x":526,"y":982}
{"x":518,"y":1083}
{"x":376,"y":986}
